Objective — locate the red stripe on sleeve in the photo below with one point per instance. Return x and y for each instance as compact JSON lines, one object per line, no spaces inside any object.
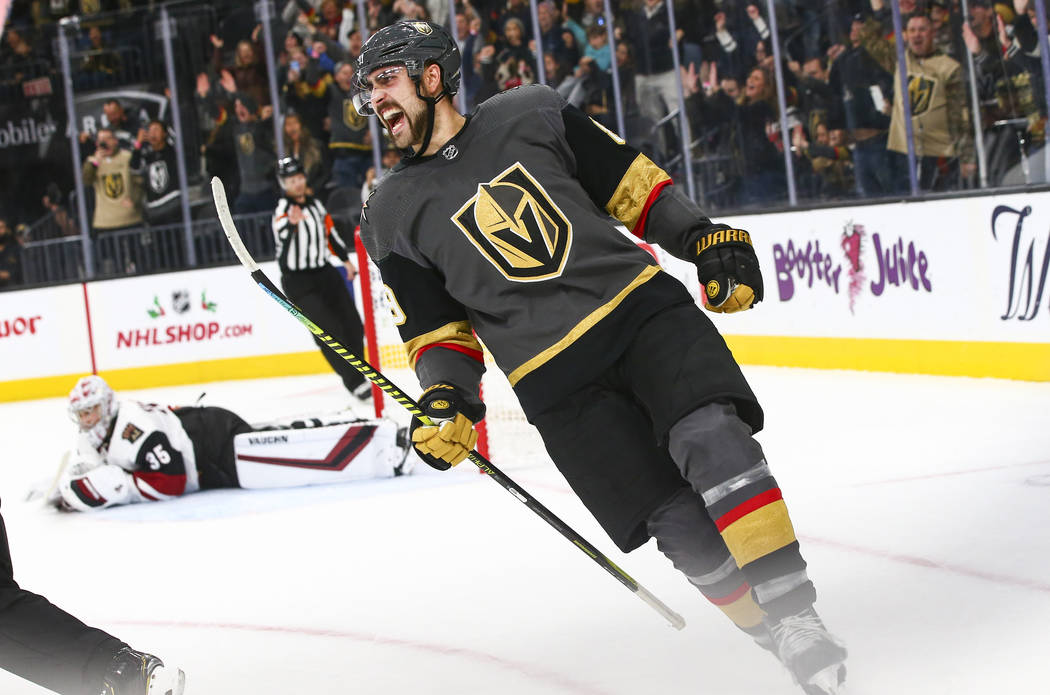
{"x":639,"y":227}
{"x":476,"y":355}
{"x":165,"y":484}
{"x":744,"y":508}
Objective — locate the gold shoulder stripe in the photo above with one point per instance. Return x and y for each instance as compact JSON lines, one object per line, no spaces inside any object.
{"x":583,"y":326}
{"x":615,"y":138}
{"x":351,"y":146}
{"x":456,"y":333}
{"x":631,"y":194}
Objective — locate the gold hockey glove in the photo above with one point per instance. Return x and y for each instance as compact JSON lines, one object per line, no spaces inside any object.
{"x":728,"y":270}
{"x":446,"y":444}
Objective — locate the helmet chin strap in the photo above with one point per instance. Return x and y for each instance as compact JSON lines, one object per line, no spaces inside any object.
{"x":430,"y":102}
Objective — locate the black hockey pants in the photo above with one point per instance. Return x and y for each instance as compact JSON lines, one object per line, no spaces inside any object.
{"x":660,"y":446}
{"x":43,"y":644}
{"x":322,"y":296}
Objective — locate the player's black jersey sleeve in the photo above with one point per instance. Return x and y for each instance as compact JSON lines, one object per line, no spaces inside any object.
{"x":434,"y":327}
{"x":630,"y":187}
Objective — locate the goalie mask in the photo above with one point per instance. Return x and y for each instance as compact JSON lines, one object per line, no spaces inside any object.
{"x":93,"y":406}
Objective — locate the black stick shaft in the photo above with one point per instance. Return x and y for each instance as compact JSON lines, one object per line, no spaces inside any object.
{"x":377,"y":378}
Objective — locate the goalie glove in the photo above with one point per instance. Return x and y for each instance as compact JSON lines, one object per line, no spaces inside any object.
{"x":453,"y":437}
{"x":96,"y":488}
{"x":728,"y":270}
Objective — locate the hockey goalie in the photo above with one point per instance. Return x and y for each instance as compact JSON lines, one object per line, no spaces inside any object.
{"x":128,"y":452}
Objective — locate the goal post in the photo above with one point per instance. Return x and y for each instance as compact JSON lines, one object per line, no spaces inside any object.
{"x":385,"y":351}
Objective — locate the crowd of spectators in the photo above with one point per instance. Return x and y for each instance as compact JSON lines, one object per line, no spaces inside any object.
{"x":847,"y":134}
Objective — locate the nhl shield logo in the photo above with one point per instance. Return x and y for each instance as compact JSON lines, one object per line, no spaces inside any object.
{"x":517,"y":227}
{"x":180,"y":301}
{"x":450,"y":152}
{"x":113,"y":185}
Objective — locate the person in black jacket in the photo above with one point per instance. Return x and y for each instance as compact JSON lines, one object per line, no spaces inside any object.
{"x":866,"y":91}
{"x":156,"y":154}
{"x":253,"y":144}
{"x":655,"y":81}
{"x":10,"y":257}
{"x":43,"y":644}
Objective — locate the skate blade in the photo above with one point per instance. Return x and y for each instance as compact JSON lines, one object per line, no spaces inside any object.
{"x":828,"y":681}
{"x":166,"y":681}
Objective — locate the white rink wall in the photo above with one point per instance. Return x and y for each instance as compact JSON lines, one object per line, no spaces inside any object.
{"x":944,"y":287}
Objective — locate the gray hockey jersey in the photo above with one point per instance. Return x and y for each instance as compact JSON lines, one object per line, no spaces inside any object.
{"x":507,"y":232}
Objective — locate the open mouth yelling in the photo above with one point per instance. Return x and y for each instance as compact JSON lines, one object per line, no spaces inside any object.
{"x":395,"y":120}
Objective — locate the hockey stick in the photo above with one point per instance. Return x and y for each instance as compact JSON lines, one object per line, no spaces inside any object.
{"x":46,"y":491}
{"x":373,"y":375}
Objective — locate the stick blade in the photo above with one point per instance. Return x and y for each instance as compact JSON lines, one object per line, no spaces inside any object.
{"x":222,"y":207}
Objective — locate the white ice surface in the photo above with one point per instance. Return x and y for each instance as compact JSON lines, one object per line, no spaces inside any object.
{"x":922,"y":504}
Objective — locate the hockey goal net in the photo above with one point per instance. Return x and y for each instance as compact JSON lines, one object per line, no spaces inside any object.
{"x":505,"y":437}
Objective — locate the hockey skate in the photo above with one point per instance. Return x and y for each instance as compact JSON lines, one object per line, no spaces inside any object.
{"x":363,"y":392}
{"x":815,"y":658}
{"x":136,"y":673}
{"x":404,"y":442}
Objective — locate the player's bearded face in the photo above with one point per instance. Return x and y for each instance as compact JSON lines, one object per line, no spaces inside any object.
{"x":406,"y":122}
{"x":401,"y":111}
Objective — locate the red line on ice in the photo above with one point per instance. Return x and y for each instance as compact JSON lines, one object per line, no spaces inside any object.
{"x":949,"y":474}
{"x":933,"y":564}
{"x":522,"y":668}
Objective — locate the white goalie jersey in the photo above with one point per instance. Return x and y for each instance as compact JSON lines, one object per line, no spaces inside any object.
{"x":147,"y":457}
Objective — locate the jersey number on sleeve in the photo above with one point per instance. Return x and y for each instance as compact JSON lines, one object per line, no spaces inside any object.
{"x":157,"y":456}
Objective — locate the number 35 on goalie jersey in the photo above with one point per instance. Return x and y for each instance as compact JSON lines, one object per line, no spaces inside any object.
{"x":149,"y":457}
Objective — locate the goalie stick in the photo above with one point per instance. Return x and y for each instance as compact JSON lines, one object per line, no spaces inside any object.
{"x":226,"y":220}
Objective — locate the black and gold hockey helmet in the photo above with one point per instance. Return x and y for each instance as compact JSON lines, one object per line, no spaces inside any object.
{"x":414,"y":44}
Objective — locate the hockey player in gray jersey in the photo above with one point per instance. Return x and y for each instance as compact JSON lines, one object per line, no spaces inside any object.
{"x":498,"y":223}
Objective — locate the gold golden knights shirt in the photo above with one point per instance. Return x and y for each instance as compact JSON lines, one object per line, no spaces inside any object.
{"x":506,"y":232}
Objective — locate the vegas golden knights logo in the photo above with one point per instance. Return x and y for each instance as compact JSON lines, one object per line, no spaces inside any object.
{"x":247,"y":143}
{"x":351,"y":118}
{"x":516,"y":226}
{"x":113,"y":185}
{"x":920,"y":93}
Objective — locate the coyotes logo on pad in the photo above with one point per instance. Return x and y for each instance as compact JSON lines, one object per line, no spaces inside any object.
{"x":131,"y":433}
{"x":517,"y":227}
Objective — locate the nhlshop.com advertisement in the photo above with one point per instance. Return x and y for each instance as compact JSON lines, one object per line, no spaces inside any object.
{"x":187,"y":317}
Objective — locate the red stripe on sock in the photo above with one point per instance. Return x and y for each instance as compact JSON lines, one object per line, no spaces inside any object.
{"x":726,"y":600}
{"x":744,"y":508}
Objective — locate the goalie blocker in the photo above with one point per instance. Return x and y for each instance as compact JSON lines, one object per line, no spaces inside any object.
{"x":148,"y":452}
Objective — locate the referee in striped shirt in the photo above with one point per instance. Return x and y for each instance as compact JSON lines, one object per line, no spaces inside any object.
{"x":306,"y":239}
